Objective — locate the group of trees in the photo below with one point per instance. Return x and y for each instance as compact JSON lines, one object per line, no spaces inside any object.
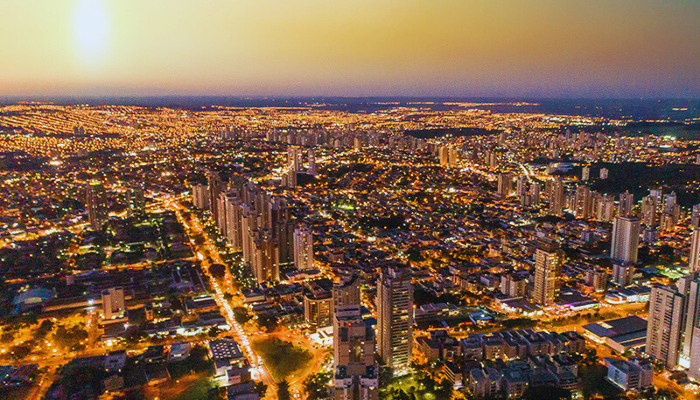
{"x":70,"y":338}
{"x":316,"y":385}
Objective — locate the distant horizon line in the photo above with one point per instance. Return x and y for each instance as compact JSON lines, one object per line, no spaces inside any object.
{"x":341,"y":97}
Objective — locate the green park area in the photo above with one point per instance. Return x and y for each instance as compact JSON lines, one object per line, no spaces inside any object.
{"x":285,"y":360}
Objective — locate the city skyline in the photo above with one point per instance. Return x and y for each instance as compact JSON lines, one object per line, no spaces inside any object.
{"x":366,"y":200}
{"x":610,"y":49}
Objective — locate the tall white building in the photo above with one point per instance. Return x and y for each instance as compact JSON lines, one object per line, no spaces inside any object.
{"x":665,"y":325}
{"x":96,"y":202}
{"x":294,"y":161}
{"x":583,"y":202}
{"x":113,"y":303}
{"x":585,"y":173}
{"x":695,"y":217}
{"x":234,"y":221}
{"x":200,"y":196}
{"x":694,"y":367}
{"x":548,"y":261}
{"x":303,"y":248}
{"x":356,"y":374}
{"x":395,"y":318}
{"x":625,"y":239}
{"x":669,"y":202}
{"x":649,"y":211}
{"x":505,"y":182}
{"x":534,"y":194}
{"x":557,"y":199}
{"x":622,"y":273}
{"x":626,"y":204}
{"x":694,"y":257}
{"x":689,"y":286}
{"x":312,"y":162}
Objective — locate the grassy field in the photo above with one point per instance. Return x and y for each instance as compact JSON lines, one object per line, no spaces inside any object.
{"x":284,"y":360}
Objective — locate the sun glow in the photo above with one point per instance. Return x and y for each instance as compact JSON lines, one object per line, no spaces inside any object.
{"x":90,"y":27}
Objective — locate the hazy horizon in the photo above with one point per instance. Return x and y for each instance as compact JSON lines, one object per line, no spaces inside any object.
{"x":384,"y":48}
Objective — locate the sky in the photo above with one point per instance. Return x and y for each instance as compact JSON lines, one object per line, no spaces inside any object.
{"x":459,"y":48}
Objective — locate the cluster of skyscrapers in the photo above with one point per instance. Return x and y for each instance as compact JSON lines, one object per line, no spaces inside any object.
{"x":96,"y":203}
{"x":258,"y":224}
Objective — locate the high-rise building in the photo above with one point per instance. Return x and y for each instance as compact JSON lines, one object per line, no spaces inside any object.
{"x":534,"y":194}
{"x":548,"y":261}
{"x":597,"y":279}
{"x":395,"y":318}
{"x":303,"y":248}
{"x":135,"y":201}
{"x":625,"y":239}
{"x":318,"y":305}
{"x":249,"y":225}
{"x":695,"y":217}
{"x":694,"y":257}
{"x":200,"y":196}
{"x":626,"y":204}
{"x":521,"y":190}
{"x":583,"y":202}
{"x":444,"y":155}
{"x":233,"y":209}
{"x":96,"y":202}
{"x":214,"y":187}
{"x":557,"y":199}
{"x":294,"y":161}
{"x":689,"y":286}
{"x":113,"y":303}
{"x":504,"y":184}
{"x":512,"y":285}
{"x":265,"y":265}
{"x":261,"y":227}
{"x":222,"y":220}
{"x":604,"y":208}
{"x":312,"y":162}
{"x":650,"y":235}
{"x":586,"y":173}
{"x":665,"y":324}
{"x":453,"y":156}
{"x":356,"y":374}
{"x":694,"y":364}
{"x":649,"y":211}
{"x":623,"y":273}
{"x":347,"y":292}
{"x":604,"y":173}
{"x":670,"y":202}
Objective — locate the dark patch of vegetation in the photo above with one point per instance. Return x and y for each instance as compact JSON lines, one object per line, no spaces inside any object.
{"x":432,"y":133}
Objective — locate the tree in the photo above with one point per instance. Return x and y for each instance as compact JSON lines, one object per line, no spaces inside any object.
{"x":214,"y":331}
{"x":268,"y":322}
{"x":70,"y":338}
{"x":7,"y":337}
{"x":20,"y":351}
{"x":241,"y":315}
{"x":260,"y":388}
{"x":217,"y":271}
{"x":283,"y":391}
{"x":316,"y":385}
{"x":44,"y":329}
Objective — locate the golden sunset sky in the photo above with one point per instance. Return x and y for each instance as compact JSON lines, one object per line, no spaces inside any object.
{"x":581,"y":48}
